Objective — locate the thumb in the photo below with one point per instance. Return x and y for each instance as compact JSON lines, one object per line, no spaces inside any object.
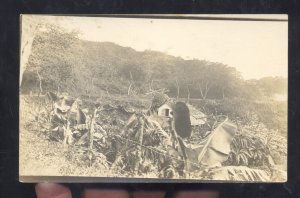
{"x":51,"y":190}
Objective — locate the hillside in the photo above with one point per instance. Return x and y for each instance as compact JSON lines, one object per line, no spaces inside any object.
{"x":91,"y":68}
{"x":116,"y":85}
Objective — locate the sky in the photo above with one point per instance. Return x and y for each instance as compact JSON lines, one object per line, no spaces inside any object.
{"x":255,"y":48}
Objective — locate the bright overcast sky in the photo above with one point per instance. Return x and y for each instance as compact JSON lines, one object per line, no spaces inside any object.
{"x":255,"y":48}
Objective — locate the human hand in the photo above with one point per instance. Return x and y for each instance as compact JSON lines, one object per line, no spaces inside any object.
{"x":50,"y":190}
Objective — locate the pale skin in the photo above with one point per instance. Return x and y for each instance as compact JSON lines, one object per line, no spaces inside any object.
{"x":50,"y":190}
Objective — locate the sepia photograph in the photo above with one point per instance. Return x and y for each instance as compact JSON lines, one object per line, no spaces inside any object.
{"x":200,"y":98}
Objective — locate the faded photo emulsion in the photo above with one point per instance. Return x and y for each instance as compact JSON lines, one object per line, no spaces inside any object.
{"x":168,"y":98}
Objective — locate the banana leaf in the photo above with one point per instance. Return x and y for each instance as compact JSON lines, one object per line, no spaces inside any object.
{"x":215,"y":148}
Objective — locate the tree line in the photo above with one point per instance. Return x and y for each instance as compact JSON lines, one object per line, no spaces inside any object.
{"x":62,"y":62}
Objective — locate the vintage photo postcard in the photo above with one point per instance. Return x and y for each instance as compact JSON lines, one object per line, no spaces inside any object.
{"x":155,"y":98}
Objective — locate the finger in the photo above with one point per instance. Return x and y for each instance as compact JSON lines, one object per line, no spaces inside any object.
{"x":105,"y":193}
{"x":196,"y":194}
{"x":49,"y":190}
{"x":148,"y":194}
